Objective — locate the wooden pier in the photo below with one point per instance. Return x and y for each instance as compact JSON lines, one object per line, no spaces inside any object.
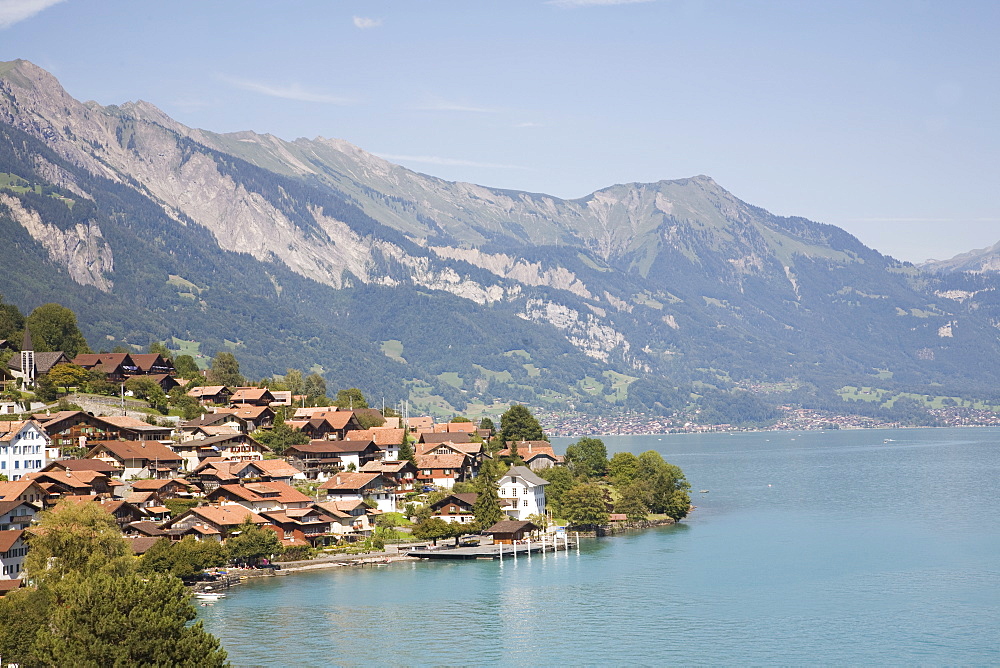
{"x":494,"y":550}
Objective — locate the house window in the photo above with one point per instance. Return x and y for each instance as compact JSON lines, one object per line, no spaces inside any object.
{"x":513,"y":491}
{"x":524,"y":504}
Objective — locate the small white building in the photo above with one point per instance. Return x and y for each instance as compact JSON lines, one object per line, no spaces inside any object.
{"x":522,"y":493}
{"x":23,"y":448}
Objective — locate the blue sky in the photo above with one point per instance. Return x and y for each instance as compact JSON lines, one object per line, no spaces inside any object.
{"x":879,"y":117}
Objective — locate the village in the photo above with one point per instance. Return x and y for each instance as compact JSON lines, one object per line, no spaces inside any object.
{"x":342,"y":475}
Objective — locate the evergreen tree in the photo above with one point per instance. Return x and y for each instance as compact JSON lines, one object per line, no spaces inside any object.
{"x":11,"y":322}
{"x":186,"y":367}
{"x":487,"y":508}
{"x":160,"y":349}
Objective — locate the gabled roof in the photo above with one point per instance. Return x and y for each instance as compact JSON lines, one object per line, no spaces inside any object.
{"x":275,"y":468}
{"x":455,"y":461}
{"x":207,"y":391}
{"x":10,"y":490}
{"x":7,"y":506}
{"x":261,"y":491}
{"x":43,"y":361}
{"x":224,"y":516}
{"x":248,"y":394}
{"x":141,"y":544}
{"x":350,"y":481}
{"x":445,"y":437}
{"x":384,"y":436}
{"x":383,"y":466}
{"x":341,"y":447}
{"x":82,"y":465}
{"x":8,"y":538}
{"x":464,"y":499}
{"x":525,"y":473}
{"x":156,"y":485}
{"x":211,"y":441}
{"x":146,"y":361}
{"x":131,"y":424}
{"x":246,"y":411}
{"x":148,"y":450}
{"x":9,"y":430}
{"x":145,"y":527}
{"x":206,"y":420}
{"x":511,"y":526}
{"x":74,"y":479}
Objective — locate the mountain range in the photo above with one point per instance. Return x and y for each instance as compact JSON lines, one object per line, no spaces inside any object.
{"x":315,"y":254}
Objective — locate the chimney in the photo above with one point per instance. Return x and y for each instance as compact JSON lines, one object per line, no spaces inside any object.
{"x":338,"y":480}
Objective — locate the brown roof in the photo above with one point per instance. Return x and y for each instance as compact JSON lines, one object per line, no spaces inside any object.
{"x":349,"y":480}
{"x":9,"y":585}
{"x":206,"y":391}
{"x":246,"y":411}
{"x":245,"y":394}
{"x":145,"y":527}
{"x":82,"y":465}
{"x":261,"y":491}
{"x":150,"y":450}
{"x":387,"y":436}
{"x":8,"y":430}
{"x":275,"y":468}
{"x":140,"y":544}
{"x":227,"y":516}
{"x":10,"y":490}
{"x":455,"y":461}
{"x":466,"y":427}
{"x":445,"y":437}
{"x":511,"y":526}
{"x":8,"y":538}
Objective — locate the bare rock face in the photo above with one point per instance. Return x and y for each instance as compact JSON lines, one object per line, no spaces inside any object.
{"x":81,"y":249}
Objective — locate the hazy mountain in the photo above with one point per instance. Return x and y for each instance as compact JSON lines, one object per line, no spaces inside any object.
{"x":980,"y":260}
{"x":316,"y":252}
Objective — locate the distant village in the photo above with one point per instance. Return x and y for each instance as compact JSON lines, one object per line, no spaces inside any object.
{"x":137,"y":470}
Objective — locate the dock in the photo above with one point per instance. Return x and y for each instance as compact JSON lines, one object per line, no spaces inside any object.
{"x":493,"y":551}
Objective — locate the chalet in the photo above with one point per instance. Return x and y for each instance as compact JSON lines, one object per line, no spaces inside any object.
{"x":281,"y":398}
{"x":213,"y":472}
{"x":79,"y":429}
{"x":270,"y":470}
{"x":138,"y":459}
{"x":508,"y":531}
{"x":164,"y":380}
{"x":196,"y":428}
{"x":402,"y":473}
{"x":16,"y":515}
{"x":123,"y":511}
{"x":456,"y":508}
{"x":107,"y":468}
{"x":165,"y":489}
{"x":116,"y":367}
{"x":258,"y":496}
{"x":329,"y":425}
{"x":24,"y":489}
{"x":23,"y":448}
{"x":237,"y":447}
{"x":72,"y":483}
{"x":387,"y":439}
{"x":444,"y":437}
{"x":210,"y":522}
{"x":253,"y":396}
{"x":301,"y":526}
{"x":420,"y":424}
{"x":255,"y":417}
{"x":319,"y":459}
{"x":211,"y":394}
{"x":442,"y":470}
{"x":524,"y":492}
{"x":153,"y":364}
{"x":537,"y":455}
{"x":351,"y":517}
{"x":13,"y":549}
{"x":141,"y":544}
{"x":474,"y":451}
{"x":361,"y":486}
{"x":143,"y":528}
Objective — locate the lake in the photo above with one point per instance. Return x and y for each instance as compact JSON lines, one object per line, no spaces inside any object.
{"x":837,"y":547}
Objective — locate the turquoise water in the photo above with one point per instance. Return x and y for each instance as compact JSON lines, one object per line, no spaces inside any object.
{"x":809,"y":548}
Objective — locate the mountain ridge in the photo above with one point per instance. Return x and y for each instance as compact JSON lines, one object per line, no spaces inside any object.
{"x":677,"y":282}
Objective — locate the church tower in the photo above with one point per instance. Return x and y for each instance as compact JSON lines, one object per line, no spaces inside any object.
{"x":28,"y":360}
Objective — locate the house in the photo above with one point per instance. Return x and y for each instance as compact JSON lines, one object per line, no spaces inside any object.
{"x":387,"y":439}
{"x":402,"y":473}
{"x":254,"y":396}
{"x":16,"y":515}
{"x":259,"y":496}
{"x":211,"y":394}
{"x":281,"y":398}
{"x":164,"y":380}
{"x":537,"y":455}
{"x":361,"y":486}
{"x":442,"y":471}
{"x":316,"y":457}
{"x":237,"y":447}
{"x":107,"y":468}
{"x":508,"y":531}
{"x":350,"y":517}
{"x":301,"y":526}
{"x":138,"y":459}
{"x":328,"y":425}
{"x":210,"y":522}
{"x":444,"y":437}
{"x":165,"y":489}
{"x":116,"y":367}
{"x":153,"y":364}
{"x":213,"y":472}
{"x":255,"y":417}
{"x":13,"y":549}
{"x":524,"y":492}
{"x":270,"y":470}
{"x":80,"y":429}
{"x":23,"y":448}
{"x":24,"y":489}
{"x":456,"y":508}
{"x":420,"y":424}
{"x":72,"y":483}
{"x":212,"y":424}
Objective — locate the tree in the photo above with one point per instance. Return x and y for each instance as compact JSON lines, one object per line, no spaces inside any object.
{"x":11,"y":322}
{"x":584,"y":505}
{"x":433,"y":529}
{"x":588,"y":457}
{"x":561,"y":479}
{"x":518,"y":424}
{"x":486,"y":423}
{"x":189,"y":407}
{"x":294,"y":382}
{"x":226,"y":371}
{"x":633,"y":501}
{"x":669,"y":489}
{"x":186,"y":366}
{"x":314,"y":387}
{"x":185,"y":559}
{"x":68,"y":375}
{"x":45,"y":389}
{"x":53,"y":327}
{"x":406,"y":452}
{"x":160,"y":349}
{"x":460,"y":418}
{"x":350,"y":398}
{"x":280,"y":436}
{"x":89,"y":606}
{"x":249,"y":543}
{"x":487,"y":508}
{"x":144,"y":387}
{"x":623,"y":468}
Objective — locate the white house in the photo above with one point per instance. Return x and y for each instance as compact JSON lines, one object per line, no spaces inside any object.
{"x":23,"y":448}
{"x":522,"y":493}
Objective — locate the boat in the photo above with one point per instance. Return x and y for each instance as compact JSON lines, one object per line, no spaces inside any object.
{"x":703,"y":491}
{"x":209,"y":596}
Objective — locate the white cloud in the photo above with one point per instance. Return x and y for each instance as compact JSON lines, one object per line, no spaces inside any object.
{"x":292,"y":91}
{"x":528,"y":124}
{"x":365,"y":23}
{"x":452,"y":162}
{"x":570,"y":4}
{"x":14,"y":11}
